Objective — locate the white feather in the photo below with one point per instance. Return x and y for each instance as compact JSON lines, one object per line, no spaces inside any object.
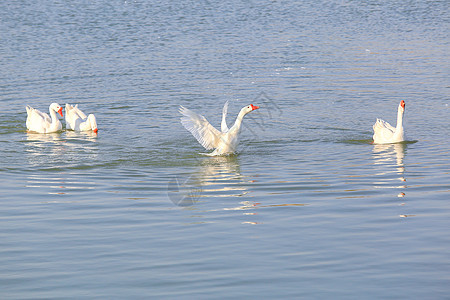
{"x":200,"y":128}
{"x":223,"y":125}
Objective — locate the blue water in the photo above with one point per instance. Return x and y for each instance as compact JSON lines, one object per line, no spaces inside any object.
{"x":308,"y":207}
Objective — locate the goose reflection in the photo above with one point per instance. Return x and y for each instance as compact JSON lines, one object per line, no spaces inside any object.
{"x":220,"y":176}
{"x":53,"y":159}
{"x":42,"y":148}
{"x":82,"y":147}
{"x":44,"y":152}
{"x":60,"y":150}
{"x":43,"y":138}
{"x":390,"y":155}
{"x":86,"y":135}
{"x":217,"y":176}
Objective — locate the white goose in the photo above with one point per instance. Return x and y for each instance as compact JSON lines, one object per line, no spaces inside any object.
{"x":40,"y":122}
{"x":78,"y":121}
{"x":384,"y":133}
{"x":224,"y":142}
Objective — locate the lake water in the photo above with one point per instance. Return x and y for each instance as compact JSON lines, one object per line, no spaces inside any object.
{"x":308,"y":208}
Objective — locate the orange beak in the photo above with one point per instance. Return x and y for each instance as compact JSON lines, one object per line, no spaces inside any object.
{"x":95,"y":130}
{"x":402,"y":104}
{"x":60,"y":111}
{"x":254,"y":107}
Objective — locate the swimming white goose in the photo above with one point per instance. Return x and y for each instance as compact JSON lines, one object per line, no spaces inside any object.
{"x":78,"y":121}
{"x":40,"y":122}
{"x":224,"y":142}
{"x":384,"y":133}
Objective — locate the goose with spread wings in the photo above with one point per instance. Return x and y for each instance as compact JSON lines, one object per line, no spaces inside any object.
{"x":224,"y":141}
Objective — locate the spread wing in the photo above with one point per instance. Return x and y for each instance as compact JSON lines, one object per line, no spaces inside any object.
{"x":223,"y":126}
{"x":201,"y":129}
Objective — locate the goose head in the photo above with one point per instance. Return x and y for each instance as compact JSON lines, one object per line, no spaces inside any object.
{"x":249,"y":108}
{"x":401,"y":106}
{"x":93,"y":123}
{"x":57,"y":108}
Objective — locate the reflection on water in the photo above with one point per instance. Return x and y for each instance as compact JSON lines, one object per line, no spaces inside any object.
{"x":63,"y":183}
{"x":391,"y":158}
{"x":220,"y":177}
{"x":215,"y":177}
{"x":50,"y":156}
{"x":87,"y":135}
{"x":81,"y":147}
{"x":41,"y":149}
{"x":60,"y":150}
{"x":390,"y":155}
{"x":41,"y":137}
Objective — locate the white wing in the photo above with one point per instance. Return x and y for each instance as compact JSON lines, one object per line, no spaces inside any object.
{"x":70,"y":117}
{"x":74,"y":117}
{"x":201,"y":129}
{"x":37,"y":120}
{"x":68,"y":111}
{"x":37,"y":114}
{"x":385,"y":124}
{"x":223,"y":126}
{"x":78,"y":111}
{"x":383,"y":131}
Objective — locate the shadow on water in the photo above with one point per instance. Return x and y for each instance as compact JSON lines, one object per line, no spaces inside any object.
{"x":370,"y":142}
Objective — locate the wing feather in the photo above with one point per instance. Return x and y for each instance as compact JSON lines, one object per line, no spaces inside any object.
{"x":383,"y":131}
{"x":78,"y":111}
{"x":33,"y":113}
{"x":36,"y":120}
{"x":223,"y":126}
{"x":382,"y":123}
{"x":201,"y":129}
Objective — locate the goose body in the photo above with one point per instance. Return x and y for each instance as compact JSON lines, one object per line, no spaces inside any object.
{"x":78,"y":121}
{"x":40,"y":122}
{"x":224,"y":141}
{"x":384,"y":133}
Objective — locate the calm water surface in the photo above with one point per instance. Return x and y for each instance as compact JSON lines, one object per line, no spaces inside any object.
{"x":308,"y":208}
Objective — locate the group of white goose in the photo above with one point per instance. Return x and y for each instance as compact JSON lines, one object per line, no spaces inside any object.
{"x":223,"y":142}
{"x":76,"y":120}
